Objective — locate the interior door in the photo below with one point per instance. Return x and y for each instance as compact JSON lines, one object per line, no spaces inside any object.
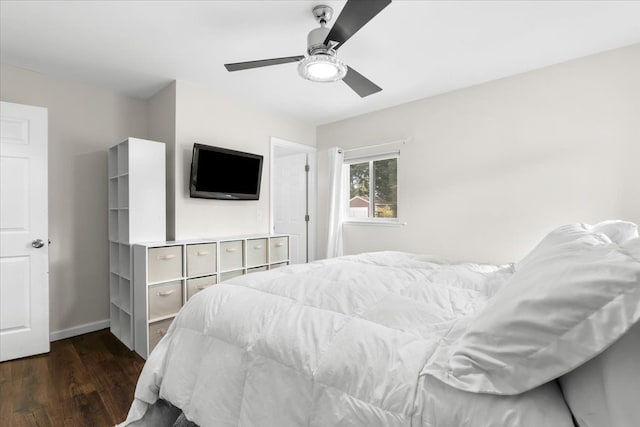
{"x":290,"y":201}
{"x":24,"y":265}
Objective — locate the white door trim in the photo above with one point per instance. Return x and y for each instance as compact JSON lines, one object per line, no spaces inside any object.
{"x":311,"y":151}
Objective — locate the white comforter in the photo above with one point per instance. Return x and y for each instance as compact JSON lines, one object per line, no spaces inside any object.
{"x":339,"y":342}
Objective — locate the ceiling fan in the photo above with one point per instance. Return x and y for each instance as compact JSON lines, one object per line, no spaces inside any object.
{"x":322,"y":63}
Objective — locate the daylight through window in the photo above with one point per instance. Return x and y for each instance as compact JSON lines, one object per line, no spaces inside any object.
{"x":373,"y":188}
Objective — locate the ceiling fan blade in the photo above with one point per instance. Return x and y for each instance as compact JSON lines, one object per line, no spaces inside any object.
{"x":360,"y":84}
{"x":238,"y":66}
{"x":354,"y":15}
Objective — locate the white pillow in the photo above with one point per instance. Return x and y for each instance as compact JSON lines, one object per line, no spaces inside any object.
{"x":569,"y":299}
{"x":618,"y":231}
{"x":571,"y":233}
{"x":604,"y":391}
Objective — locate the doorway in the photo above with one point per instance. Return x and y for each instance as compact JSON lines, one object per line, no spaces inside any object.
{"x":293,"y":196}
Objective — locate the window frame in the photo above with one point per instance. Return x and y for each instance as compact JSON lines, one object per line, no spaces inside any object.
{"x":346,"y":189}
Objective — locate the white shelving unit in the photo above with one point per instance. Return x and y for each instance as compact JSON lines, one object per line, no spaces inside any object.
{"x":167,"y":274}
{"x":136,"y":169}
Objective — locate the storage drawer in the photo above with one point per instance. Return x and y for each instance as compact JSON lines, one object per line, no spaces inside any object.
{"x":278,"y":265}
{"x":196,"y":285}
{"x":230,"y":275}
{"x":279,"y":249}
{"x":201,"y":259}
{"x":256,"y":269}
{"x":156,"y":331}
{"x":165,"y":264}
{"x":165,"y":299}
{"x":231,"y":255}
{"x":256,"y":252}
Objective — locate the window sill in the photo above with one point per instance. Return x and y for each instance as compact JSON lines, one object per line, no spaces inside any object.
{"x":377,"y":223}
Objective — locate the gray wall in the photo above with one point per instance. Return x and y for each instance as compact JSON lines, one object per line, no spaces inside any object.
{"x":83,"y":122}
{"x":491,"y":168}
{"x":162,"y":127}
{"x":207,"y":117}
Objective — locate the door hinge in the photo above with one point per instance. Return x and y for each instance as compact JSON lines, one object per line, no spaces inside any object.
{"x":306,"y":218}
{"x":306,"y":168}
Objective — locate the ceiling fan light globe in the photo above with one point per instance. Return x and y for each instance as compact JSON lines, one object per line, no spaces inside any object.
{"x":323,"y":71}
{"x":322,"y":68}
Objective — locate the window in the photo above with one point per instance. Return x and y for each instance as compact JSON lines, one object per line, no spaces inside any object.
{"x":372,"y":193}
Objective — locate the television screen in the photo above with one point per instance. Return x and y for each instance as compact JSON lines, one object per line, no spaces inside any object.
{"x":220,"y":173}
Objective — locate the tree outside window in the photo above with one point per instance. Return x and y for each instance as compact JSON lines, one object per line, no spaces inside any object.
{"x":373,"y":189}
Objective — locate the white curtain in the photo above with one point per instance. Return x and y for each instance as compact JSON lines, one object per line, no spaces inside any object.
{"x":336,"y":208}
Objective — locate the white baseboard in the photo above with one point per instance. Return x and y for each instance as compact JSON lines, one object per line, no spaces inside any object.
{"x":78,"y":330}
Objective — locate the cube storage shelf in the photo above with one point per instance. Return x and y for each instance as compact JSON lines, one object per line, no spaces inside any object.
{"x":167,"y":274}
{"x":136,"y":180}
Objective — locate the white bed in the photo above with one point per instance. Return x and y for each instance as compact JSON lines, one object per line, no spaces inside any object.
{"x":350,"y":341}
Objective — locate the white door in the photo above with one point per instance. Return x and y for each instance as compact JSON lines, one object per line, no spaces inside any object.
{"x":293,"y":196}
{"x":24,"y":266}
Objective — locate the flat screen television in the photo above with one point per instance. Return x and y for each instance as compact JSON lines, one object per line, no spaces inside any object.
{"x":220,"y":173}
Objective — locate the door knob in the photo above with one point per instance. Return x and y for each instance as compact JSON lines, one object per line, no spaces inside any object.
{"x":38,"y":243}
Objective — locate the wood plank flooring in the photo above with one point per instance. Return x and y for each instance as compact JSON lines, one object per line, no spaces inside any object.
{"x":86,"y":380}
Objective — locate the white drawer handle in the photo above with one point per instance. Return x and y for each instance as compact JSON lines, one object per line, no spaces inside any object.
{"x":257,"y":247}
{"x":279,"y":245}
{"x":203,"y":253}
{"x":232,"y":249}
{"x":166,"y":257}
{"x":201,"y":287}
{"x":166,"y":293}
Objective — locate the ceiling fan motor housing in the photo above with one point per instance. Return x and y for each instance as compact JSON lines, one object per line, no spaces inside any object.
{"x":316,"y":37}
{"x":315,"y":41}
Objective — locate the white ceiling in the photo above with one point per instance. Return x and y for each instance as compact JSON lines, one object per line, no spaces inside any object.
{"x":412,"y":49}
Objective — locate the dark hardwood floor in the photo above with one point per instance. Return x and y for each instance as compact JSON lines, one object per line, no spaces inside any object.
{"x":86,"y":380}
